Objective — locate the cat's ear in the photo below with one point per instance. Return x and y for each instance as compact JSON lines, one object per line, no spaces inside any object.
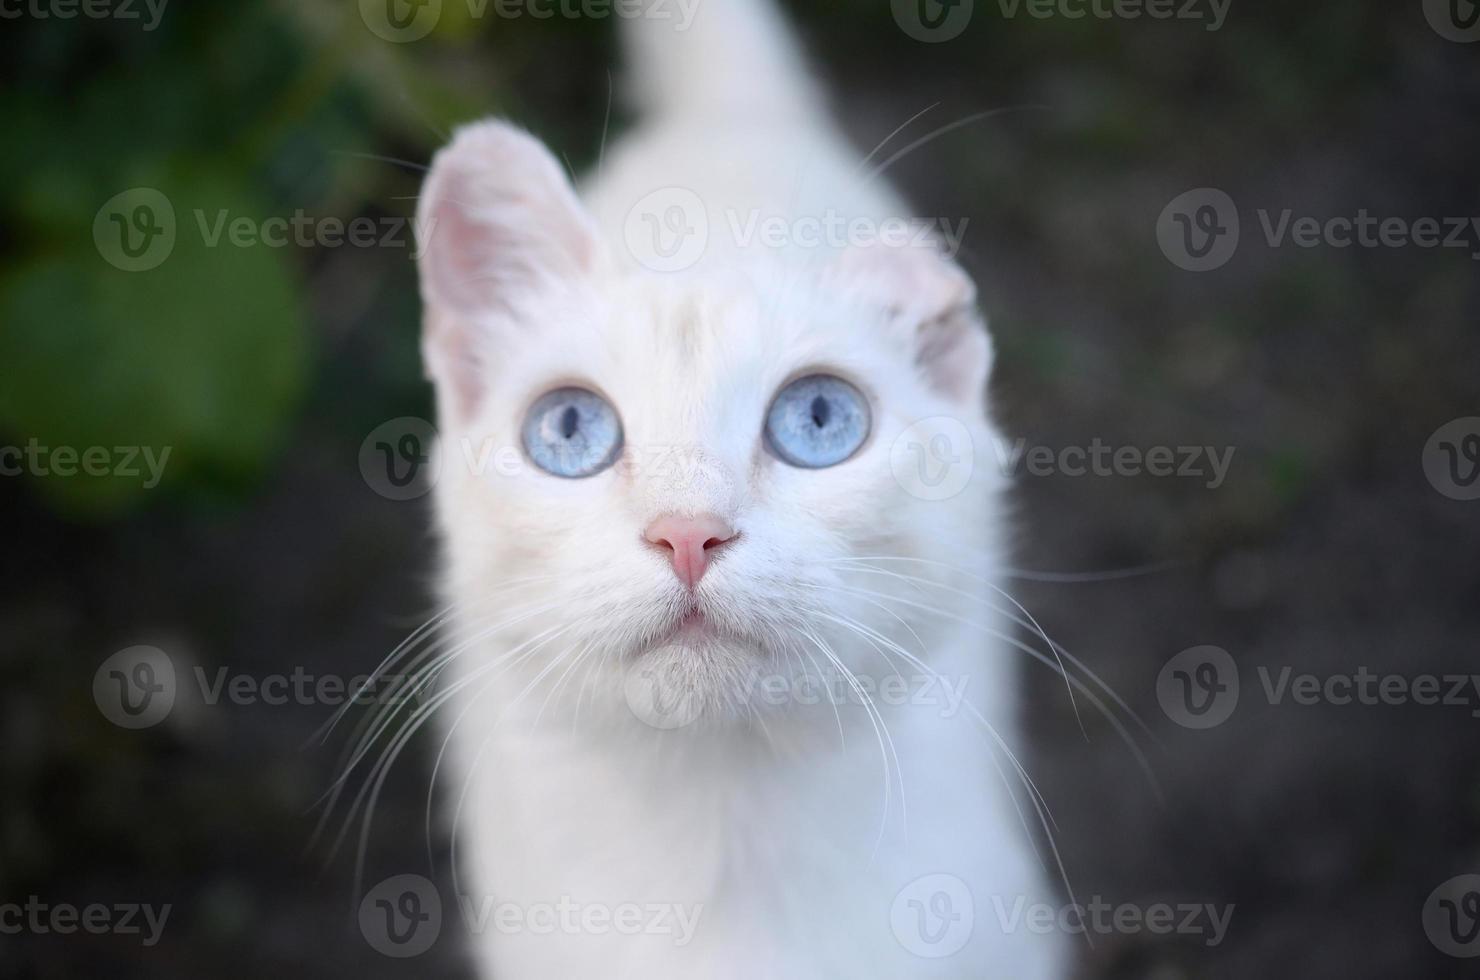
{"x":929,"y":295}
{"x":498,"y":221}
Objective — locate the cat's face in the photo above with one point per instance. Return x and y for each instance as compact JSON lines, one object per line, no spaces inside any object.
{"x":688,"y":472}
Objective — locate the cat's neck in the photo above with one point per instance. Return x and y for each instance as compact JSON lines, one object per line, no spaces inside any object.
{"x":837,"y":746}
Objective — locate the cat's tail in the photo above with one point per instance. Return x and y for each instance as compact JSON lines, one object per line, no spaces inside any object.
{"x":716,"y":60}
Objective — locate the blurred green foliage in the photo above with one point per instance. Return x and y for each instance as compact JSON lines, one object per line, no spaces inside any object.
{"x":255,"y":112}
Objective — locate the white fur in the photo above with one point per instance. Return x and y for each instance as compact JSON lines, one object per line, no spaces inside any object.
{"x":770,"y":823}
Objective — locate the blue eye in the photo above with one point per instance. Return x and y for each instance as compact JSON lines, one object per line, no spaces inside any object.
{"x":817,"y":421}
{"x":572,"y":432}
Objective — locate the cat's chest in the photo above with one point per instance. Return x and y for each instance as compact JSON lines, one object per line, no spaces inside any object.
{"x":564,"y":814}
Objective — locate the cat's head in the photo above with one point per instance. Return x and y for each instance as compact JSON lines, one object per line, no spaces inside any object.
{"x":697,"y":475}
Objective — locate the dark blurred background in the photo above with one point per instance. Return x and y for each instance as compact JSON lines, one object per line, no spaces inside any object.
{"x":263,"y":369}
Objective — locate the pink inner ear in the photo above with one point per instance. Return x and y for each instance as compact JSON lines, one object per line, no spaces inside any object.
{"x":499,"y":221}
{"x":917,"y":283}
{"x":930,"y":295}
{"x":460,"y":264}
{"x":453,"y":363}
{"x":956,"y":354}
{"x":499,"y":214}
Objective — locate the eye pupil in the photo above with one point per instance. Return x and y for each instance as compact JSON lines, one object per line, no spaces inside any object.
{"x":572,"y":433}
{"x":821,"y":410}
{"x":817,"y":421}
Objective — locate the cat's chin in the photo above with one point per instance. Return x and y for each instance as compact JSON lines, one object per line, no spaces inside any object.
{"x":694,"y":674}
{"x":697,"y":648}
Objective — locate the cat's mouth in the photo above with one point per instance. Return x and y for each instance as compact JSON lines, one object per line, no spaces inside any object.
{"x":697,"y":631}
{"x":692,"y":628}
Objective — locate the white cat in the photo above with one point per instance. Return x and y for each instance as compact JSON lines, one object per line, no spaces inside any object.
{"x":723,"y":666}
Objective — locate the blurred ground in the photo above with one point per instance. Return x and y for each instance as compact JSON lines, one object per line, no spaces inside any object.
{"x":1326,"y":369}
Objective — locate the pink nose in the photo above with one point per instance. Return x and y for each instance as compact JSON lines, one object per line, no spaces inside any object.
{"x":690,"y":542}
